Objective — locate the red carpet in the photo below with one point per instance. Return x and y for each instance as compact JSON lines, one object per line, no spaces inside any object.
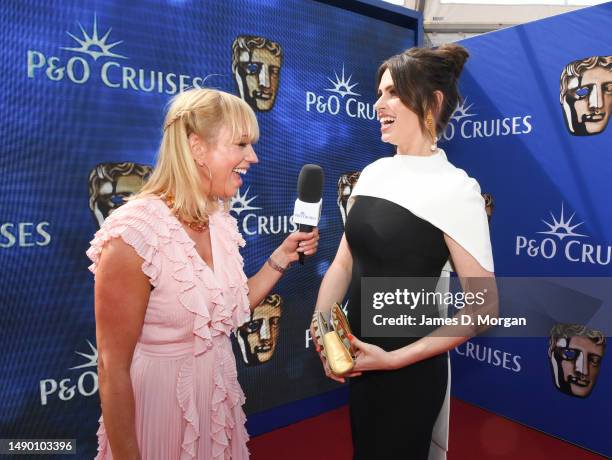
{"x":475,"y":435}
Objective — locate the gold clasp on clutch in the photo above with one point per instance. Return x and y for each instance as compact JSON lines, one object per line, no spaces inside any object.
{"x":334,"y":342}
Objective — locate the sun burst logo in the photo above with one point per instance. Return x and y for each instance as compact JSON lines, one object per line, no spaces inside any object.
{"x":344,"y":307}
{"x":561,"y":227}
{"x":92,"y":359}
{"x":462,"y":111}
{"x":93,"y":45}
{"x":241,"y":203}
{"x":342,"y":85}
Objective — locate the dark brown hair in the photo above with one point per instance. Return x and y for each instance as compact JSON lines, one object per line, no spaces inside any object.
{"x":418,"y":72}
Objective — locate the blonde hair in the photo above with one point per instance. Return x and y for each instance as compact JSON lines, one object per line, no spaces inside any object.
{"x":203,"y":112}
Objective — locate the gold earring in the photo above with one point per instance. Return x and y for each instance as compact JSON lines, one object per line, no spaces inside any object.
{"x":429,"y":121}
{"x":201,"y":164}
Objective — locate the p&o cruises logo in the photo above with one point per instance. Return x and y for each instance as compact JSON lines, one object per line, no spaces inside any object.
{"x":337,"y":102}
{"x":470,"y":126}
{"x":85,"y":384}
{"x":564,"y":239}
{"x":113,"y":73}
{"x":255,"y":224}
{"x":490,"y":356}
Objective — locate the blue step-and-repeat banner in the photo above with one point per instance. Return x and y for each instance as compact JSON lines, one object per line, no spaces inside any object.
{"x":82,"y":102}
{"x":534,"y":130}
{"x":84,"y":89}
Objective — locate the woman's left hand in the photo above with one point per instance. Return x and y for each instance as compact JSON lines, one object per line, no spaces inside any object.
{"x":371,"y":357}
{"x":295,"y":243}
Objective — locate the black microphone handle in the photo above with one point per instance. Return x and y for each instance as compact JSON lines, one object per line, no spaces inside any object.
{"x":307,"y":229}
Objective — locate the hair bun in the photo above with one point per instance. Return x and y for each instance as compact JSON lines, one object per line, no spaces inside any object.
{"x":456,"y":55}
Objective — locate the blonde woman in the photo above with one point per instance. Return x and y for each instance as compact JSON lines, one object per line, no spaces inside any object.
{"x":170,"y":288}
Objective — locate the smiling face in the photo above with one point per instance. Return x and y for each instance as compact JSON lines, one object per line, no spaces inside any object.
{"x":225,"y":160}
{"x":399,"y":125}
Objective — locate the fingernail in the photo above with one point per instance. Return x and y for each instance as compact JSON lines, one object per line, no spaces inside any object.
{"x":351,"y":337}
{"x":318,"y":349}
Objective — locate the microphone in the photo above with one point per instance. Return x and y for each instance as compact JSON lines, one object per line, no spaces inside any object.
{"x":307,"y":210}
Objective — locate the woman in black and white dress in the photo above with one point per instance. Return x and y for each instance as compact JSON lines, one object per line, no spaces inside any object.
{"x":408,"y":215}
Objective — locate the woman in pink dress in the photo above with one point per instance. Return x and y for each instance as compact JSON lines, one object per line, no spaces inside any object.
{"x":170,"y":288}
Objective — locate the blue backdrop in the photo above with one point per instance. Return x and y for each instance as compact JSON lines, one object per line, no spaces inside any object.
{"x":86,"y":83}
{"x":74,"y":97}
{"x":511,"y":135}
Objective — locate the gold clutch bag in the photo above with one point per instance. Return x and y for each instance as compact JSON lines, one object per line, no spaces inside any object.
{"x":332,"y":336}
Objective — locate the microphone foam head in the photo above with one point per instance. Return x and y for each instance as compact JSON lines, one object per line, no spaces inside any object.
{"x":310,"y":183}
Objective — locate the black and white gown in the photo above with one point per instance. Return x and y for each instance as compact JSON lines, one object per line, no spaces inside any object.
{"x":398,"y":214}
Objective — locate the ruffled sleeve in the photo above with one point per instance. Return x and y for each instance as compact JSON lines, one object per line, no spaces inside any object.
{"x":134,"y":224}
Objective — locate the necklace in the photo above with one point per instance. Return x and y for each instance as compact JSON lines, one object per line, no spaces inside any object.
{"x":195,"y":225}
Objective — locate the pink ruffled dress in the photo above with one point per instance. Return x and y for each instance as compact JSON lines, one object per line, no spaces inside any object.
{"x":188,"y":402}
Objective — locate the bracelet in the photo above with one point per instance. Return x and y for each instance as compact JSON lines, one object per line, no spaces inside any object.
{"x":275,"y":266}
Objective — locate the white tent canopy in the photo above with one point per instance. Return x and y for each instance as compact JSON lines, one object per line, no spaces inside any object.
{"x":451,"y":20}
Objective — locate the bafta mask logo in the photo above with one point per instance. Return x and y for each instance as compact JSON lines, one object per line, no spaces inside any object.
{"x":257,"y":337}
{"x":346,"y":184}
{"x":256,"y":65}
{"x":586,"y":95}
{"x":110,"y":184}
{"x":489,"y":205}
{"x":575,"y":354}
